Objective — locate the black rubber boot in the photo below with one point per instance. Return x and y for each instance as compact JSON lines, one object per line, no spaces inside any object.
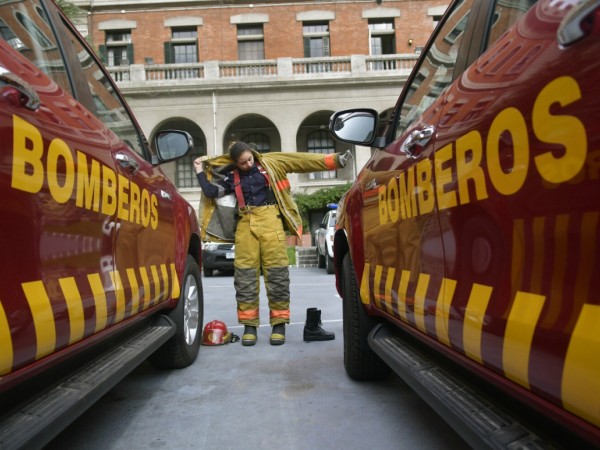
{"x":278,"y":334}
{"x":249,"y":337}
{"x":313,"y":330}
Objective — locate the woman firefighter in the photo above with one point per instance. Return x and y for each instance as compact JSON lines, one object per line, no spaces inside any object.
{"x":264,"y":205}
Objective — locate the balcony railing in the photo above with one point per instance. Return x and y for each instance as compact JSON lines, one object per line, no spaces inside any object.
{"x":282,"y":68}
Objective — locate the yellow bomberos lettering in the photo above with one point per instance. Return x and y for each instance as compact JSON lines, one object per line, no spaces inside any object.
{"x":566,"y":131}
{"x":60,"y":182}
{"x":425,"y":187}
{"x":469,"y":154}
{"x":88,"y":188}
{"x":75,"y":177}
{"x":28,"y":148}
{"x":109,"y":191}
{"x":511,"y":121}
{"x":463,"y":171}
{"x":446,"y":198}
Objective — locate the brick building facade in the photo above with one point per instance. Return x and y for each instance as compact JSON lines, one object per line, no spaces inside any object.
{"x":269,"y":72}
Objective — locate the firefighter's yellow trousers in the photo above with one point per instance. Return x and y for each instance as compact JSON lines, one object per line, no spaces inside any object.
{"x":260,"y":242}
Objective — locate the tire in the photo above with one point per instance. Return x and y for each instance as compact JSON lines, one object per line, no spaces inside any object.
{"x":321,"y":259}
{"x":207,"y":272}
{"x":182,"y":349}
{"x":360,"y":362}
{"x":330,"y":268}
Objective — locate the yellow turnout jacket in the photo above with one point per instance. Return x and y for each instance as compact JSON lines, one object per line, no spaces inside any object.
{"x":218,"y":215}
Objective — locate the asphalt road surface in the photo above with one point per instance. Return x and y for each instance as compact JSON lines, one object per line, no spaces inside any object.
{"x":291,"y":397}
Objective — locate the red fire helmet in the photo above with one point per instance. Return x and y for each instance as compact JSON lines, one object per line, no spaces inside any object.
{"x":215,"y":333}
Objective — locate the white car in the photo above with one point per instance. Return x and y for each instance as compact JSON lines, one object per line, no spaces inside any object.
{"x":324,"y":241}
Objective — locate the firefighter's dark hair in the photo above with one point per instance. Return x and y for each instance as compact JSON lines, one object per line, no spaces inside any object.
{"x":237,"y":148}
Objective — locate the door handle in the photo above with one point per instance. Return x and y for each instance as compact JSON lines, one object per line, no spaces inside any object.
{"x":128,"y":163}
{"x":17,"y":91}
{"x":571,"y":29}
{"x":417,"y":140}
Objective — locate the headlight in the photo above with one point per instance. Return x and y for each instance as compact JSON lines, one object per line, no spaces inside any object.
{"x":210,"y":246}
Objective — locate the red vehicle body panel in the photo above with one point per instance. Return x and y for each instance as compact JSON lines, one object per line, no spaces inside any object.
{"x":87,"y":244}
{"x":493,"y":255}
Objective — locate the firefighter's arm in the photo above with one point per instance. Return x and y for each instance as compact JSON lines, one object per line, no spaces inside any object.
{"x":309,"y":162}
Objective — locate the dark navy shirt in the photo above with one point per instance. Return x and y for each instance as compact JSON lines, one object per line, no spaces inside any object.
{"x":255,"y":188}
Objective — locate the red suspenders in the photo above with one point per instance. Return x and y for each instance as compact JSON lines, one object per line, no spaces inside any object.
{"x":237,"y":185}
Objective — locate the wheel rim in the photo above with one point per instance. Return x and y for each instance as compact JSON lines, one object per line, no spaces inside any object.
{"x":191,"y":308}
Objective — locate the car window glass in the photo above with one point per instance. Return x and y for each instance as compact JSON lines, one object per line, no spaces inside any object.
{"x":506,"y":13}
{"x":437,"y":67}
{"x":109,"y":107}
{"x":24,"y":26}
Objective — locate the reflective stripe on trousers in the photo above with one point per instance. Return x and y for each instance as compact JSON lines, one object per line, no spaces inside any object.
{"x":260,"y":241}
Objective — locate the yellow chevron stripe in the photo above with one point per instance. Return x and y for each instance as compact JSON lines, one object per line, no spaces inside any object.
{"x":176,"y":289}
{"x":135,"y":291}
{"x":99,"y":300}
{"x":119,"y":294}
{"x":6,"y":348}
{"x":165,"y":277}
{"x":420,"y":295}
{"x":377,"y":285}
{"x":442,"y":310}
{"x":157,"y":293}
{"x":43,"y":317}
{"x":387,"y":295}
{"x":580,"y":389}
{"x":74,"y":308}
{"x":524,"y":315}
{"x":146,"y":284}
{"x":402,"y":290}
{"x":473,"y":324}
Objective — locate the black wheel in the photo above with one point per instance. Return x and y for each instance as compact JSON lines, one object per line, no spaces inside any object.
{"x":330,"y":268}
{"x":321,"y":261}
{"x":181,"y":350}
{"x":207,"y":272}
{"x":360,"y":361}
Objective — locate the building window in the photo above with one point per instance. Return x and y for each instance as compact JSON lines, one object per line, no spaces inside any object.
{"x":185,"y":175}
{"x":316,"y":39}
{"x":9,"y":36}
{"x":118,"y":50}
{"x":182,"y":49}
{"x":320,"y":141}
{"x":259,"y":141}
{"x":184,"y":42}
{"x":37,"y":34}
{"x":251,"y":42}
{"x":382,"y":42}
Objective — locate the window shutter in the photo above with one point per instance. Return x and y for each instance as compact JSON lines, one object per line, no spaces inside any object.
{"x":306,"y":47}
{"x":102,"y":53}
{"x":326,"y":51}
{"x":130,"y":53}
{"x":169,"y":53}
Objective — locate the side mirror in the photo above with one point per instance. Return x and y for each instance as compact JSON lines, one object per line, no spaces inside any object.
{"x":172,"y":144}
{"x":354,"y":126}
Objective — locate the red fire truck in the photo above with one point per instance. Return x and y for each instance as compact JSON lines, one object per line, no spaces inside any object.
{"x":469,"y":243}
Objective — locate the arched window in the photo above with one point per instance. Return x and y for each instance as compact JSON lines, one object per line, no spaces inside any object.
{"x":321,"y":142}
{"x":37,"y":34}
{"x":261,"y":141}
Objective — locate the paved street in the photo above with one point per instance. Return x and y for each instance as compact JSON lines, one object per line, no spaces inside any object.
{"x":295,"y":396}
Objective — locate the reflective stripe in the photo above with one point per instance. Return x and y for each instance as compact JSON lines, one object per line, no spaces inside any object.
{"x":248,"y":315}
{"x":280,"y":314}
{"x":330,"y":161}
{"x":282,"y":184}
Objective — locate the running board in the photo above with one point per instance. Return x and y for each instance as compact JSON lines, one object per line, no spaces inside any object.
{"x":37,"y":422}
{"x":481,"y":423}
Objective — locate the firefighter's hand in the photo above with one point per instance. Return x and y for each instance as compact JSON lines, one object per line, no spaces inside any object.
{"x":198,"y":165}
{"x":344,"y":157}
